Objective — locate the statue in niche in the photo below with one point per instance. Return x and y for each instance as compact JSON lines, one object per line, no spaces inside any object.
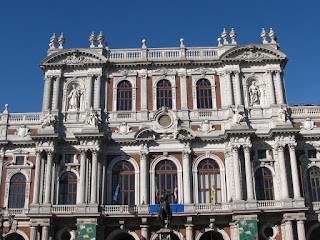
{"x":92,"y":118}
{"x":238,"y":116}
{"x":254,"y":93}
{"x":49,"y":120}
{"x":282,"y":115}
{"x":74,"y":98}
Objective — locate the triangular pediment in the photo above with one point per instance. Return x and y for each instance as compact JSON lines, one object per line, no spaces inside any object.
{"x":74,"y":57}
{"x":253,"y":53}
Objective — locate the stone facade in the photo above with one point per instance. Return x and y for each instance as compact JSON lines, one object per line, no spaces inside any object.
{"x":209,"y":124}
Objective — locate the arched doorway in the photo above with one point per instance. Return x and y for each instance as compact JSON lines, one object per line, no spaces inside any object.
{"x":123,"y":235}
{"x":14,"y":236}
{"x":315,"y":234}
{"x":211,"y":236}
{"x":65,"y":236}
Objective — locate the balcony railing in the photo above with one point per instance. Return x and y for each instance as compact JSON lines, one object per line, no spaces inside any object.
{"x":62,"y":209}
{"x":17,"y":211}
{"x":305,"y":111}
{"x":269,"y":204}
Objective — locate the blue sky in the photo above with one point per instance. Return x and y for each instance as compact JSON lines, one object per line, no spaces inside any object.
{"x":26,"y":27}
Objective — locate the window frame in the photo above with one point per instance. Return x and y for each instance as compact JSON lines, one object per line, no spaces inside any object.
{"x":16,"y":195}
{"x":262,"y":191}
{"x":204,"y":89}
{"x":67,"y":184}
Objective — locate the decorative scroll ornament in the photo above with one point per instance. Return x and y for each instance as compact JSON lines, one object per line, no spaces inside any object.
{"x":22,"y":131}
{"x":308,"y":124}
{"x":123,"y":129}
{"x":205,"y":127}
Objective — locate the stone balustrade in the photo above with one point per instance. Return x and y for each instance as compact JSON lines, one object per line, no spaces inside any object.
{"x":305,"y":111}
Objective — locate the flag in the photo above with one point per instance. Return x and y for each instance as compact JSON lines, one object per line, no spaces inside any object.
{"x":213,"y":191}
{"x":175,"y":191}
{"x":116,"y":193}
{"x":156,"y":190}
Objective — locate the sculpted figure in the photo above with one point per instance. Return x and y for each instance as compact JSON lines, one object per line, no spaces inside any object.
{"x":254,"y":93}
{"x":237,"y":117}
{"x":92,"y":118}
{"x":282,"y":114}
{"x":74,"y":98}
{"x":165,"y":213}
{"x":49,"y":120}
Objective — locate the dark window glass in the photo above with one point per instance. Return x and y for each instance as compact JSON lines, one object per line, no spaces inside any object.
{"x":68,"y":189}
{"x":264,"y":184}
{"x":204,"y":94}
{"x":69,"y":158}
{"x":20,"y":160}
{"x":166,"y":178}
{"x":164,"y":94}
{"x":209,"y":182}
{"x":312,"y":153}
{"x":123,"y":183}
{"x":124,"y":95}
{"x":262,"y":154}
{"x":314,"y":184}
{"x":17,"y":191}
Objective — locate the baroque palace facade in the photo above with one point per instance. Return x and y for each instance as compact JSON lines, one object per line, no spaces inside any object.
{"x":210,"y":125}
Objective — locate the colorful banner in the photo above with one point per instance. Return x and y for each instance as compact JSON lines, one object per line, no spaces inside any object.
{"x":86,"y":231}
{"x":248,"y":229}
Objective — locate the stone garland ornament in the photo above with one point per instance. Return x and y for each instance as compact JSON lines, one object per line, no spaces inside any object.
{"x":308,"y":124}
{"x":206,"y":127}
{"x":22,"y":131}
{"x":123,"y":129}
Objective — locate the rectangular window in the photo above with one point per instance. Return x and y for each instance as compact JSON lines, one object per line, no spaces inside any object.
{"x":68,"y":158}
{"x":20,"y":160}
{"x":262,"y":154}
{"x":312,"y":153}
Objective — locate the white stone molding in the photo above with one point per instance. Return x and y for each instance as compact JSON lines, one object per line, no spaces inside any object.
{"x":183,"y":89}
{"x":10,"y":174}
{"x":136,"y":179}
{"x":211,"y":79}
{"x":117,"y":80}
{"x":143,"y":74}
{"x":222,"y":176}
{"x":22,"y":234}
{"x":114,"y":233}
{"x":153,"y":172}
{"x":216,"y":229}
{"x":172,"y":80}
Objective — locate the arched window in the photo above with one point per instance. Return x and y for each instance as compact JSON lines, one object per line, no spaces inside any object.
{"x":123,"y":183}
{"x":17,"y":191}
{"x":68,"y":189}
{"x":314,"y":184}
{"x":264,"y":184}
{"x":166,"y":178}
{"x":164,"y":94}
{"x":124,"y":96}
{"x":209,"y":181}
{"x":204,"y":94}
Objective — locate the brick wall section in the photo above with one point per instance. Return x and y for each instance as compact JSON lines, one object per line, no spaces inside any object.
{"x":138,"y":94}
{"x":218,"y":91}
{"x":178,"y":93}
{"x":150,"y":92}
{"x":189,"y":91}
{"x":110,"y":94}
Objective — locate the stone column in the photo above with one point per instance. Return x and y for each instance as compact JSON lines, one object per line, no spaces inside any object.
{"x":280,"y":88}
{"x":57,"y":93}
{"x":271,"y":87}
{"x":301,"y":230}
{"x":234,"y":231}
{"x":189,"y":231}
{"x":230,"y":88}
{"x":98,"y":93}
{"x":288,"y":230}
{"x":81,"y":196}
{"x":90,"y":77}
{"x":144,"y":91}
{"x":45,"y":233}
{"x":237,"y":82}
{"x":186,"y":176}
{"x":94,"y":170}
{"x":283,"y":171}
{"x":144,"y":178}
{"x":36,"y":188}
{"x":183,"y":90}
{"x":33,"y":233}
{"x":236,"y":170}
{"x":294,"y":172}
{"x":145,"y":232}
{"x":47,"y":196}
{"x":249,"y":180}
{"x":1,"y":166}
{"x":47,"y":93}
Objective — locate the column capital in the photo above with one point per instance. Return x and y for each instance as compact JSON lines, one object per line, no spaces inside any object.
{"x":235,"y":147}
{"x":247,"y":147}
{"x":279,"y":147}
{"x":292,"y":146}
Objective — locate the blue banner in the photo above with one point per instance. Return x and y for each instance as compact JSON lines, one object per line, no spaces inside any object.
{"x":175,"y":208}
